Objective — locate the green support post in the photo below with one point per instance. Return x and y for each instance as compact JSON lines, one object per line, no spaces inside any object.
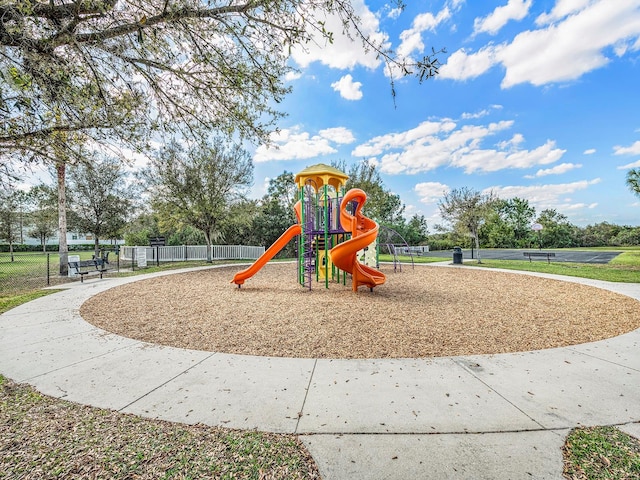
{"x":301,"y":237}
{"x":326,"y":235}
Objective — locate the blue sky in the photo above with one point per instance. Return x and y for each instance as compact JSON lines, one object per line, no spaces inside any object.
{"x":535,"y":99}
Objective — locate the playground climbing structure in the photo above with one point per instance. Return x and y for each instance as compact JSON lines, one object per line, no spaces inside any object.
{"x":332,"y":233}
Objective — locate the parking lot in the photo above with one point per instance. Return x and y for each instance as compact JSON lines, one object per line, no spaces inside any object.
{"x":574,"y":256}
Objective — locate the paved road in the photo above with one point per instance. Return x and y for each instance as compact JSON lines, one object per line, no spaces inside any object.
{"x":575,"y":256}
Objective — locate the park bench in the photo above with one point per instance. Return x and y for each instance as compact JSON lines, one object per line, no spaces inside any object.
{"x":85,"y":267}
{"x":540,"y":254}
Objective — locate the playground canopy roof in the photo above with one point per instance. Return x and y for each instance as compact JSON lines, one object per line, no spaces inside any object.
{"x":320,"y":175}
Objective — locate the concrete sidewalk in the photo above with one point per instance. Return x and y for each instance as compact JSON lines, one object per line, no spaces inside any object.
{"x":488,"y":416}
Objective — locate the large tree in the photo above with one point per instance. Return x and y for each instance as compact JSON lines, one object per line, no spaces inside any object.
{"x":114,"y":70}
{"x":197,"y":186}
{"x":467,"y":210}
{"x":101,"y":200}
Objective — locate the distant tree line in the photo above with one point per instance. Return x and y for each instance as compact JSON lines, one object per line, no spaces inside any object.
{"x":183,"y":185}
{"x":476,"y":219}
{"x":98,"y":202}
{"x":196,"y":193}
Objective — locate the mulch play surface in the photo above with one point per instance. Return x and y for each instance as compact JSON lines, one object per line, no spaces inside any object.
{"x":423,"y":312}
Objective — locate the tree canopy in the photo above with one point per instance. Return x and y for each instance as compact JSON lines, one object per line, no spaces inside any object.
{"x":101,"y":201}
{"x":196,"y":186}
{"x":109,"y":70}
{"x":467,"y":210}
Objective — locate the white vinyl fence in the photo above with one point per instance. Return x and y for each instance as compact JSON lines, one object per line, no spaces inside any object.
{"x":183,"y":253}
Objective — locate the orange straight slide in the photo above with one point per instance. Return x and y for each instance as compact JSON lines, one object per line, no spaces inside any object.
{"x":278,"y":245}
{"x":363,"y":233}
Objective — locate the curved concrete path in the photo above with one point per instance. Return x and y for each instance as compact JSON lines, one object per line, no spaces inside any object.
{"x":487,"y":416}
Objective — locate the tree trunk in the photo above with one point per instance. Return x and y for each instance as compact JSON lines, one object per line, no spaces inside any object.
{"x":63,"y":249}
{"x":11,"y":250}
{"x":207,"y":237}
{"x":477,"y":242}
{"x":96,"y":246}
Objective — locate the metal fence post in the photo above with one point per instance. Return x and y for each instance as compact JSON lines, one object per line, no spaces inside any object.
{"x":48,"y":271}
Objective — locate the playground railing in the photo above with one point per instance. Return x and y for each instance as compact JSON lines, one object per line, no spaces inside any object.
{"x":184,"y":253}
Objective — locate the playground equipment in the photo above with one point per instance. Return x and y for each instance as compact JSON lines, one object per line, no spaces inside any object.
{"x":332,"y":233}
{"x":395,"y":245}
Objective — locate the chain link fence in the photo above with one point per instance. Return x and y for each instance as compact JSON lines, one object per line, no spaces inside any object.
{"x":28,"y":271}
{"x":21,"y":272}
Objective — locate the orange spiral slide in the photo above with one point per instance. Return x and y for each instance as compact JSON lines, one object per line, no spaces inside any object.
{"x":363,"y":232}
{"x":278,"y":245}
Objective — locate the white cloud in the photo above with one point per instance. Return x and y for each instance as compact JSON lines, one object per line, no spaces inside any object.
{"x":578,"y":206}
{"x":292,"y":144}
{"x":463,"y":66}
{"x":481,"y":113}
{"x":431,"y":192}
{"x":513,"y":143}
{"x":433,"y":144}
{"x":495,"y":160}
{"x":589,"y":151}
{"x":394,"y":13}
{"x":492,"y":23}
{"x":633,"y":149}
{"x":561,"y":51}
{"x":412,"y":37}
{"x":569,"y":49}
{"x":339,"y":135}
{"x":544,"y":196}
{"x":557,"y":170}
{"x":348,"y":88}
{"x":134,"y":160}
{"x":292,"y":75}
{"x":344,"y":52}
{"x":629,"y":165}
{"x":562,"y":9}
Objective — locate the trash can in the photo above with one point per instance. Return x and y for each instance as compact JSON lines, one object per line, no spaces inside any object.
{"x":457,"y":256}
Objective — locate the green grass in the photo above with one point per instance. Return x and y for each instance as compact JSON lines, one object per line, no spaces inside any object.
{"x":601,"y":453}
{"x":631,"y":258}
{"x":8,"y":302}
{"x":384,"y":257}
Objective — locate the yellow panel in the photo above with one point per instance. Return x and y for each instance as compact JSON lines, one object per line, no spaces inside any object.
{"x":321,"y":175}
{"x":323,"y":258}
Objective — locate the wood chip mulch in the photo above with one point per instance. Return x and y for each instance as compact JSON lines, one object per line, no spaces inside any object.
{"x":421,"y":312}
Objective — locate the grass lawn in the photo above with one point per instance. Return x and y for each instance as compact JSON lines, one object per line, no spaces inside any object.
{"x":7,"y":302}
{"x":405,"y":259}
{"x":601,"y":453}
